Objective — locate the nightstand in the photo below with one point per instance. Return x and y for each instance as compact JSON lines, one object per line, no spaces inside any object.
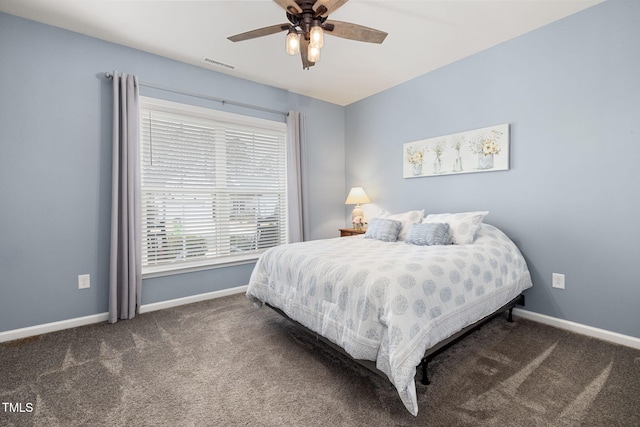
{"x":351,"y":232}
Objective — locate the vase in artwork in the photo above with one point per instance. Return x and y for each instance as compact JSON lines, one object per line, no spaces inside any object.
{"x":485,"y":161}
{"x":437,"y":164}
{"x":417,"y":169}
{"x":457,"y":164}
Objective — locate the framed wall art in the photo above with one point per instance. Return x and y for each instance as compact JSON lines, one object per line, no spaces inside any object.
{"x":479,"y":150}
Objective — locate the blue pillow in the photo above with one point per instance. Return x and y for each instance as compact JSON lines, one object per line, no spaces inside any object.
{"x":432,"y":233}
{"x":386,"y":230}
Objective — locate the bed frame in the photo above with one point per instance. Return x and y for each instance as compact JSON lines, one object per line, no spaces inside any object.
{"x":431,"y":352}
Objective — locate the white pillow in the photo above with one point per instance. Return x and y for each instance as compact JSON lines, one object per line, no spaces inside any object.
{"x":406,"y":218}
{"x":462,"y":226}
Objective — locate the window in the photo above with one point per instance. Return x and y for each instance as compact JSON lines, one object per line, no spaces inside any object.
{"x":213,"y":186}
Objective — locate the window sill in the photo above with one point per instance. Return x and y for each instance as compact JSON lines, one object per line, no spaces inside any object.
{"x":209,"y":264}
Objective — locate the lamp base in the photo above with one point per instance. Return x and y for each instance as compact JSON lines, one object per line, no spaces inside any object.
{"x":357,"y":211}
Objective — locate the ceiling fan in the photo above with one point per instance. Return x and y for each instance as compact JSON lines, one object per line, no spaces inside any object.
{"x":307,"y":25}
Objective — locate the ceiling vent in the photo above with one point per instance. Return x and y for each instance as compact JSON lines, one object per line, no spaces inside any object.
{"x":217,"y":63}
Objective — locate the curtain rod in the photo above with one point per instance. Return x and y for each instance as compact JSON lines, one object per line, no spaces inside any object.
{"x":210,"y":98}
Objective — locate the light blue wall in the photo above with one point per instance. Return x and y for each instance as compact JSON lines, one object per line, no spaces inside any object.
{"x":571,"y":92}
{"x":55,"y":167}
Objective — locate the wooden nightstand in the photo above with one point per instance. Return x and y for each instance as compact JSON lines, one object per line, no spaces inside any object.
{"x":351,"y":232}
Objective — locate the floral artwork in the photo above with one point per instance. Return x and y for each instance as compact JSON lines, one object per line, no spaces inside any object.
{"x":478,"y":150}
{"x":359,"y":222}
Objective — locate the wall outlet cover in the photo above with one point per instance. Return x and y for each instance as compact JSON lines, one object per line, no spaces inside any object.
{"x":557,"y":280}
{"x":84,"y":281}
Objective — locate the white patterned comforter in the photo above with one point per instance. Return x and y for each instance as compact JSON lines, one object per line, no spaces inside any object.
{"x":389,"y":302}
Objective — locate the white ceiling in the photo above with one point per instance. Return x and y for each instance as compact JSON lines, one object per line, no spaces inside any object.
{"x":423,"y":35}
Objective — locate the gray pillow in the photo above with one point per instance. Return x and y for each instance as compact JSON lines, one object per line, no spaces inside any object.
{"x":432,"y":233}
{"x":386,"y":230}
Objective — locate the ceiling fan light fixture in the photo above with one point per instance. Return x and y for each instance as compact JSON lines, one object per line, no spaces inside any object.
{"x":309,"y":19}
{"x":316,"y":36}
{"x":292,"y":42}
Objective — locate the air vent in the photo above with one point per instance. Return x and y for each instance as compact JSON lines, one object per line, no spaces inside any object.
{"x":217,"y":63}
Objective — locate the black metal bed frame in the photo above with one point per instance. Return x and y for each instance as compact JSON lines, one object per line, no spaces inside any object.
{"x":430,"y":353}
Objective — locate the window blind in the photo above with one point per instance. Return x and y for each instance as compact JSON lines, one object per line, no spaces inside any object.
{"x":213,"y":186}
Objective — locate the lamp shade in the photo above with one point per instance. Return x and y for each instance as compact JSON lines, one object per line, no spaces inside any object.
{"x":316,"y":36}
{"x":357,"y":196}
{"x":313,"y":54}
{"x":292,"y":45}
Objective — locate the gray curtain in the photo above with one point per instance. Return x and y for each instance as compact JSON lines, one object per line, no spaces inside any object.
{"x":295,"y":160}
{"x":125,"y":278}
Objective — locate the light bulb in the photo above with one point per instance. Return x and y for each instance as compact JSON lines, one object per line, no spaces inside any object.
{"x":316,"y":36}
{"x":292,"y":43}
{"x":313,"y":55}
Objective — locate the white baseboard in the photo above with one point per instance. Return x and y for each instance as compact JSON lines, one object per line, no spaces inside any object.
{"x":579,"y":328}
{"x":191,"y":299}
{"x":31,"y":331}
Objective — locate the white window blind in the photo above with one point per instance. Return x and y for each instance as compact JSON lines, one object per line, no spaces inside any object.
{"x":213,"y":186}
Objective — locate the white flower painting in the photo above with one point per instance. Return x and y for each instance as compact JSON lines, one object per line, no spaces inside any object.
{"x":479,"y":150}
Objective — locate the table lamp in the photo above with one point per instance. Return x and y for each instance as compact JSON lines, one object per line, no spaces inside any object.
{"x":355,"y":197}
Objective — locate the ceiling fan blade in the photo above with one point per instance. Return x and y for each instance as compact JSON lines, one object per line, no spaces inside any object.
{"x":350,"y":31}
{"x":325,"y":7}
{"x":290,"y":6}
{"x":304,"y":52}
{"x":260,"y":32}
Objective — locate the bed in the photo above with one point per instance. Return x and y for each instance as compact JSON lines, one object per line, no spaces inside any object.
{"x":393,"y":302}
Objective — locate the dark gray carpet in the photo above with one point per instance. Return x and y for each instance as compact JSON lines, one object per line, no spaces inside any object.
{"x":224,"y":363}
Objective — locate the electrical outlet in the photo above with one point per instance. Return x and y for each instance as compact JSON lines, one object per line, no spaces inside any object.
{"x":557,"y":280}
{"x":84,"y":281}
